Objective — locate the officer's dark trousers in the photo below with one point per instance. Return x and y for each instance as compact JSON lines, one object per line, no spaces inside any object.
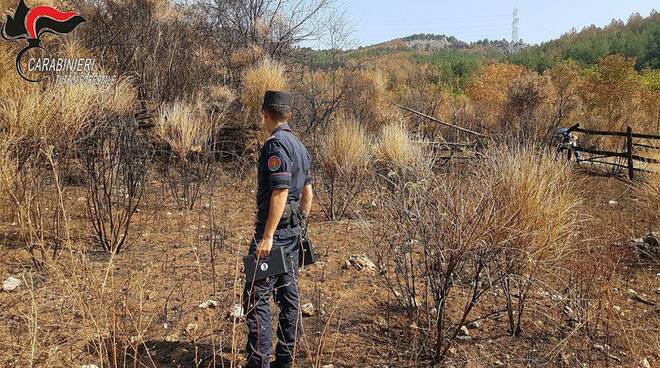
{"x":256,"y":297}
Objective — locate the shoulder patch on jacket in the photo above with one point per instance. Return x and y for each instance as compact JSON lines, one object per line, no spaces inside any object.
{"x":274,"y":163}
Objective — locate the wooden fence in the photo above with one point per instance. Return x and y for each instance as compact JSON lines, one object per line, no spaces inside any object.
{"x":628,"y":154}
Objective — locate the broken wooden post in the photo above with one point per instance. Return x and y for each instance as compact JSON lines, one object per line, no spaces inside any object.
{"x":629,"y":153}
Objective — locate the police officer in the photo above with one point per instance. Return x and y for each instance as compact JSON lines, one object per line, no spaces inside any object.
{"x":284,"y":187}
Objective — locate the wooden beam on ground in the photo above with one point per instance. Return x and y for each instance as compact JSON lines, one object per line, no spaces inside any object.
{"x":441,"y":122}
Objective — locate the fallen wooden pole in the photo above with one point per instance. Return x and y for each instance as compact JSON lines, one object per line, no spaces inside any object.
{"x":442,"y":122}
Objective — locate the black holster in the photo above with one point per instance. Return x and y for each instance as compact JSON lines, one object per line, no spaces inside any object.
{"x":292,"y":216}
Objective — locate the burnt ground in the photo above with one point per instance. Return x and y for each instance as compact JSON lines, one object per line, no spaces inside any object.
{"x":141,"y":307}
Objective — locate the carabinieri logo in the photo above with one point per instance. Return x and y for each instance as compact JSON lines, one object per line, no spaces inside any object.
{"x":30,"y":24}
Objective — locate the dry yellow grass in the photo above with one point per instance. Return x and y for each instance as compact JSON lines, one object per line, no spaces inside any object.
{"x":345,"y":148}
{"x":56,"y":115}
{"x":246,"y":56}
{"x":267,"y":75}
{"x":221,"y":94}
{"x":369,"y":100}
{"x":186,"y":128}
{"x":72,"y":47}
{"x":649,"y":193}
{"x":538,"y":200}
{"x":396,"y":147}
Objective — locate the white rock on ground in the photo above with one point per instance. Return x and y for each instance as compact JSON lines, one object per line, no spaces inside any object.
{"x":208,"y":304}
{"x":11,"y":283}
{"x":235,"y":312}
{"x":464,"y":331}
{"x":89,"y":366}
{"x":644,"y":363}
{"x":360,"y":262}
{"x":308,"y":310}
{"x":191,"y":328}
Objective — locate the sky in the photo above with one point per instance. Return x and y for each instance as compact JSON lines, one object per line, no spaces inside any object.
{"x":374,"y":21}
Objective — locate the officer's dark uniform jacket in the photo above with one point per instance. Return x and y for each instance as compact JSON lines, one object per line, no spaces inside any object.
{"x":284,"y":163}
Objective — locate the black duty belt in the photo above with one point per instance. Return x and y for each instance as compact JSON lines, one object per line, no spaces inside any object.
{"x":291,"y":217}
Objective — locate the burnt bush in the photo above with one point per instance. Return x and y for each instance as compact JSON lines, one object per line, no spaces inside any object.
{"x":116,"y":160}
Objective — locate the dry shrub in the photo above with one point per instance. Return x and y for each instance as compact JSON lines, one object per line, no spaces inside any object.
{"x":565,"y":78}
{"x":42,"y":130}
{"x":57,"y":116}
{"x":526,"y":114}
{"x":415,"y":86}
{"x":650,"y":97}
{"x":72,"y":47}
{"x":343,"y":161}
{"x":116,"y":160}
{"x":246,"y":56}
{"x":319,"y":95}
{"x":267,"y":75}
{"x":367,"y":99}
{"x":189,"y":133}
{"x":185,"y":128}
{"x":220,"y":94}
{"x":10,"y":83}
{"x":538,"y":198}
{"x":33,"y":205}
{"x":396,"y":148}
{"x":649,"y":192}
{"x":345,"y":147}
{"x":609,"y":93}
{"x":165,"y":11}
{"x":539,"y":214}
{"x":165,"y":67}
{"x":511,"y":219}
{"x":488,"y":90}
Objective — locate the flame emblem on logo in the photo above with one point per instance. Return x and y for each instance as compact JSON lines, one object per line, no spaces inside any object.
{"x":30,"y":24}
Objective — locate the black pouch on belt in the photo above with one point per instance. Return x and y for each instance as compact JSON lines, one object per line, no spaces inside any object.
{"x":307,"y":255}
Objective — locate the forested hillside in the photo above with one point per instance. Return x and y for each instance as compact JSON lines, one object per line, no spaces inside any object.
{"x":639,"y":38}
{"x":454,"y":61}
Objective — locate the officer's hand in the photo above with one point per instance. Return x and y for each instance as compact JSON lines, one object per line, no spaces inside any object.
{"x":264,"y":247}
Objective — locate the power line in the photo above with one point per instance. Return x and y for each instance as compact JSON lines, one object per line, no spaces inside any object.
{"x":437,"y":20}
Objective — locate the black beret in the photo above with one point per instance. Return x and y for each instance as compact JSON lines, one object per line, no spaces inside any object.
{"x":278,"y":98}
